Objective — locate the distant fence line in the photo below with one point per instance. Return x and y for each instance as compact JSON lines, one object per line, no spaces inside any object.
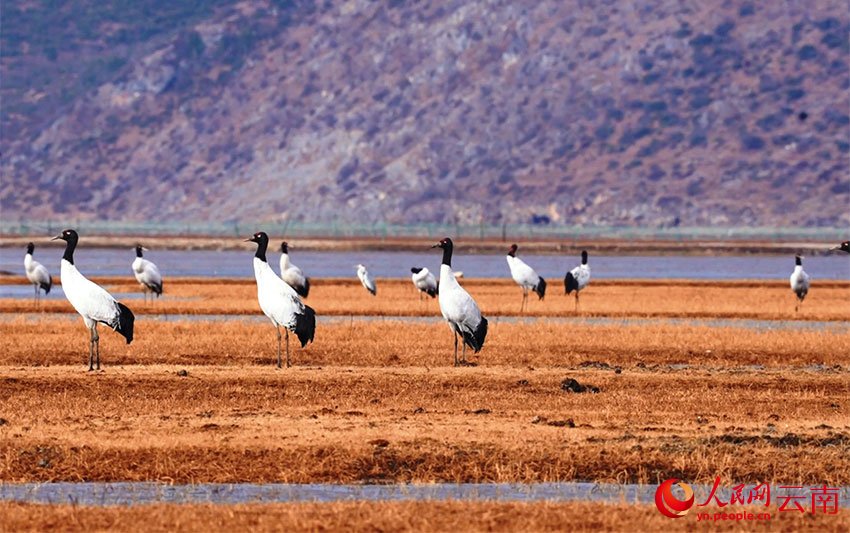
{"x":459,"y":231}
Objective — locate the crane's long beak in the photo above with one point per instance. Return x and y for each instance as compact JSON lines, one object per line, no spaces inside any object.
{"x":436,"y":245}
{"x":56,"y":237}
{"x":835,"y":248}
{"x":248,"y":240}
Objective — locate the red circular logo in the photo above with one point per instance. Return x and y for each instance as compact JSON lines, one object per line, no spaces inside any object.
{"x":668,"y":504}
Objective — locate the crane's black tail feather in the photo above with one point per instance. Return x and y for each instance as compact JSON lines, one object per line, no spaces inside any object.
{"x":126,"y":319}
{"x":433,"y":292}
{"x":304,"y":290}
{"x":154,"y":288}
{"x":540,"y":289}
{"x":305,"y":325}
{"x":570,"y":283}
{"x":46,"y":286}
{"x":475,"y":340}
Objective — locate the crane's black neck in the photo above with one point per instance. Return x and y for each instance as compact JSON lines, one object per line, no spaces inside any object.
{"x":262,"y":245}
{"x":416,"y":270}
{"x":30,"y":248}
{"x":584,"y":257}
{"x":70,"y":245}
{"x":799,"y":260}
{"x":284,"y":248}
{"x":512,"y":251}
{"x":447,"y":254}
{"x":138,"y":251}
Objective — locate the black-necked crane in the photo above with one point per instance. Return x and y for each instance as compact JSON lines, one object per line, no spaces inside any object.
{"x":843,"y":247}
{"x":37,"y":273}
{"x":578,"y":278}
{"x":525,"y":277}
{"x":457,"y":306}
{"x":366,"y":279}
{"x":147,"y":274}
{"x":279,"y":301}
{"x":91,"y":301}
{"x":292,"y":274}
{"x":424,"y":281}
{"x":800,"y":282}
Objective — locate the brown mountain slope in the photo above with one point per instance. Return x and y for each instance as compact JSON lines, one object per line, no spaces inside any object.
{"x":657,"y":113}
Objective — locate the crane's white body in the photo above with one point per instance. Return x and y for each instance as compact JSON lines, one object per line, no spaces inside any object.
{"x":147,"y":274}
{"x":456,"y":305}
{"x":290,"y":273}
{"x":37,"y":274}
{"x":89,"y":299}
{"x":425,"y":281}
{"x":800,"y":282}
{"x":581,"y":274}
{"x":277,"y":299}
{"x":523,"y":275}
{"x":366,"y":279}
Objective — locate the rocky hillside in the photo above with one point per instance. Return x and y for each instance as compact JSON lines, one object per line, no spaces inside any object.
{"x":649,"y":113}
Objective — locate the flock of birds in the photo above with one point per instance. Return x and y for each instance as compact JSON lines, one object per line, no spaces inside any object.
{"x":280,"y":297}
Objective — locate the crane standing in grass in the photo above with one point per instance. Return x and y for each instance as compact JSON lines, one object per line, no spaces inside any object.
{"x":292,"y":274}
{"x":578,"y":278}
{"x":458,"y":307}
{"x":800,"y":282}
{"x":90,"y":300}
{"x":280,"y":302}
{"x":525,"y":277}
{"x":366,"y":279}
{"x":147,"y":274}
{"x":37,"y":273}
{"x":424,"y":281}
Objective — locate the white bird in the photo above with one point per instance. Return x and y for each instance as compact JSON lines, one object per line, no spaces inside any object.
{"x":800,"y":282}
{"x":578,"y":278}
{"x":90,"y":300}
{"x":292,"y":274}
{"x":366,"y":279}
{"x":525,"y":277}
{"x":458,"y":307}
{"x":36,"y":273}
{"x":147,"y":273}
{"x":279,"y":301}
{"x":424,"y":281}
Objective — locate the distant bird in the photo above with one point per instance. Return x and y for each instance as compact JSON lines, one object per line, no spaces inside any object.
{"x":800,"y":282}
{"x":458,"y":307}
{"x":90,"y":300}
{"x":844,"y":247}
{"x":366,"y":279}
{"x":578,"y":278}
{"x":279,"y":301}
{"x":424,"y":281}
{"x":292,"y":274}
{"x":36,"y":273}
{"x":525,"y":277}
{"x":147,"y":274}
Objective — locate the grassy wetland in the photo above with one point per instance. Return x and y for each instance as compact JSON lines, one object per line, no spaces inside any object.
{"x":760,"y":395}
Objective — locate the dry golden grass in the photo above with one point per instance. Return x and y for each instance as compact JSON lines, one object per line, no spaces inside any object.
{"x":51,"y":340}
{"x":340,"y":424}
{"x":398,"y":516}
{"x":827,"y":300}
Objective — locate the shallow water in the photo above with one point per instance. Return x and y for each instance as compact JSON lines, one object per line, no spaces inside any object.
{"x":238,"y":264}
{"x":110,"y":494}
{"x":23,"y":292}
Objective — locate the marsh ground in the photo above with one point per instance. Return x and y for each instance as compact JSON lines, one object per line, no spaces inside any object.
{"x":378,"y":400}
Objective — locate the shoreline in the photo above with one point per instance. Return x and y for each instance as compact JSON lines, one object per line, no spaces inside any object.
{"x":537,"y":246}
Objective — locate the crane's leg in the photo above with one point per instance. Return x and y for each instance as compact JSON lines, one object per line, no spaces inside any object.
{"x":277,"y":328}
{"x":97,"y":345}
{"x":35,"y":298}
{"x":455,"y":348}
{"x":577,"y":301}
{"x":91,"y":349}
{"x":463,"y":357}
{"x":287,"y":348}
